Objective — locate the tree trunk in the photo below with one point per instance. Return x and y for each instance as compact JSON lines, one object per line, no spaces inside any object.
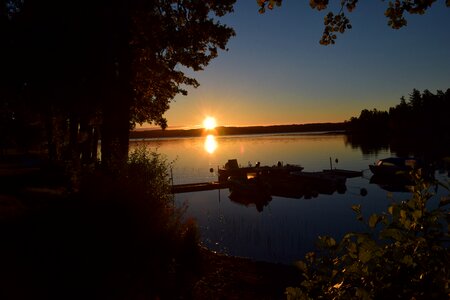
{"x":74,"y":171}
{"x":115,"y":133}
{"x":51,"y":144}
{"x":117,"y":106}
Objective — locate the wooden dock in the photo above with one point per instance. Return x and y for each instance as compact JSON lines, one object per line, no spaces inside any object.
{"x":198,"y":187}
{"x":315,"y":176}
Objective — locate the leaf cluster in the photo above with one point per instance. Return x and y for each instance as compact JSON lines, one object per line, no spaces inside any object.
{"x":126,"y":223}
{"x":167,"y":37}
{"x":339,"y":22}
{"x":87,"y":49}
{"x":270,"y":4}
{"x":396,"y":9}
{"x":334,"y":23}
{"x":403,"y":255}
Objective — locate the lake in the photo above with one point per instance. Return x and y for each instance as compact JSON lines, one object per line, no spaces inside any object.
{"x":286,"y":228}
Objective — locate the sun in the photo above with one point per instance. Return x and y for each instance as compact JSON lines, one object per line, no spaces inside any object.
{"x":209,"y":123}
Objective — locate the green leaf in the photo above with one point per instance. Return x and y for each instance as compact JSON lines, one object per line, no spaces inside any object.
{"x":356,"y":208}
{"x":445,"y":200}
{"x":331,"y":242}
{"x":362,"y":294}
{"x":326,"y":242}
{"x":373,"y":220}
{"x":338,"y":285}
{"x":301,"y":265}
{"x":395,"y":234}
{"x":402,"y":214}
{"x":364,"y":256}
{"x":352,"y":250}
{"x":294,"y":293}
{"x":391,"y":209}
{"x":417,"y":214}
{"x":407,"y":260}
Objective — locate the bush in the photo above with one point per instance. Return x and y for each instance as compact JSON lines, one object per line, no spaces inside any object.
{"x":404,"y":255}
{"x":119,"y":237}
{"x":141,"y":228}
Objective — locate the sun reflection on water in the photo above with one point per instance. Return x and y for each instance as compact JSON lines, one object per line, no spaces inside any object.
{"x":210,"y":144}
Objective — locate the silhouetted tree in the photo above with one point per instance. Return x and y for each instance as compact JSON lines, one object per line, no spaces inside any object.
{"x":339,"y":22}
{"x":108,"y":64}
{"x":423,"y":115}
{"x":370,"y":122}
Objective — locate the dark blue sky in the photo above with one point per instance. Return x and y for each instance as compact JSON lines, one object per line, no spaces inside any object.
{"x":276,"y":72}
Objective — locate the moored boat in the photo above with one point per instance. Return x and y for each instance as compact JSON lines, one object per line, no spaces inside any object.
{"x":232,"y":169}
{"x":393,"y":166}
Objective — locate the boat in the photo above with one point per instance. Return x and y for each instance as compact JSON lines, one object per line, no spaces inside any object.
{"x":232,"y":169}
{"x":395,"y":166}
{"x":256,"y":182}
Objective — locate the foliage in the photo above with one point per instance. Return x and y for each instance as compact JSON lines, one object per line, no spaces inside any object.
{"x":150,"y":171}
{"x":370,"y":121}
{"x":139,"y":219}
{"x":339,"y":22}
{"x":119,"y":237}
{"x":404,"y":255}
{"x":422,"y":114}
{"x":170,"y":35}
{"x":109,"y":65}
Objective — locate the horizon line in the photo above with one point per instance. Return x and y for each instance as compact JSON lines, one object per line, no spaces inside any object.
{"x":151,"y":128}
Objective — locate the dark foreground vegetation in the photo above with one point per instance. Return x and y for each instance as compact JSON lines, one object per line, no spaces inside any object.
{"x":118,"y":237}
{"x":404,"y":254}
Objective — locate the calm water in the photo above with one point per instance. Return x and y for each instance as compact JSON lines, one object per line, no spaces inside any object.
{"x":286,"y":228}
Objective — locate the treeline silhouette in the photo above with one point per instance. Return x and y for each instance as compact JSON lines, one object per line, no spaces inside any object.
{"x":416,"y":125}
{"x":234,"y":130}
{"x":422,"y":114}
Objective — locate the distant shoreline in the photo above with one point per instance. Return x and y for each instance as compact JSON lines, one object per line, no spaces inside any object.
{"x":249,"y":130}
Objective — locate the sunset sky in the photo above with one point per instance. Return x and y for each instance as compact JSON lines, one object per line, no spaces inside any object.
{"x":276,"y":72}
